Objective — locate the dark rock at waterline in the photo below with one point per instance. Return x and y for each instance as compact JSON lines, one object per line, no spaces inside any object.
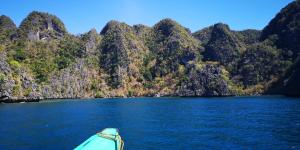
{"x":207,"y":80}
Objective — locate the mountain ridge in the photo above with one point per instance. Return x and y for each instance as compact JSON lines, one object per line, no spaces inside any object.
{"x":40,"y":59}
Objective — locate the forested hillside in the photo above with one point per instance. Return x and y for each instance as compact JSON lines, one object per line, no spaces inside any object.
{"x":40,"y":59}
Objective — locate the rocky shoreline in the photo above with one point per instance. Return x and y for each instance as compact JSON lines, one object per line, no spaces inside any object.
{"x":91,"y":98}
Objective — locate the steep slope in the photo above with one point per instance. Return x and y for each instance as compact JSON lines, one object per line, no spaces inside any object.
{"x":122,"y":54}
{"x":177,"y":68}
{"x":246,"y":37}
{"x":289,"y":83}
{"x":173,"y":45}
{"x":261,"y":63}
{"x":7,"y":29}
{"x":91,"y":42}
{"x":42,"y":60}
{"x":285,"y":28}
{"x":223,"y":47}
{"x":6,"y":84}
{"x":41,"y":26}
{"x":16,"y":81}
{"x":284,"y":31}
{"x":204,"y":35}
{"x":206,"y":80}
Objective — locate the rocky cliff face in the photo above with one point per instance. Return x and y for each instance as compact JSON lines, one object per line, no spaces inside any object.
{"x":16,"y":83}
{"x":284,"y":32}
{"x":40,"y":59}
{"x":6,"y":84}
{"x":285,"y":28}
{"x":91,"y":42}
{"x":173,"y":45}
{"x":76,"y":81}
{"x":7,"y":29}
{"x":223,"y":46}
{"x":122,"y":53}
{"x":206,"y":80}
{"x":41,"y":26}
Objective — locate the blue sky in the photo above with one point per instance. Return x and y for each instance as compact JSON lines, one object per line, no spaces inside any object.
{"x":80,"y":16}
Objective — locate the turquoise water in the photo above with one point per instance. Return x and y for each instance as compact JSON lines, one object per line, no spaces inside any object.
{"x":155,"y":123}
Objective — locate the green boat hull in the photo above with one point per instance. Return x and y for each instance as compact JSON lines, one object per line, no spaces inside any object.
{"x":107,"y":139}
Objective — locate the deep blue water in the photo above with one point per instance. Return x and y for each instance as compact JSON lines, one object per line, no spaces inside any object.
{"x":155,"y":123}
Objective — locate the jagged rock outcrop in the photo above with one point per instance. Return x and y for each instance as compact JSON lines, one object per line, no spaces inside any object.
{"x":28,"y":86}
{"x":206,"y":80}
{"x":91,"y":41}
{"x":75,"y":81}
{"x":285,"y":28}
{"x":7,"y":29}
{"x":4,"y":66}
{"x":41,"y":26}
{"x":121,"y":53}
{"x":45,"y":61}
{"x":6,"y":85}
{"x":173,"y":45}
{"x":223,"y":47}
{"x":16,"y":83}
{"x":203,"y":35}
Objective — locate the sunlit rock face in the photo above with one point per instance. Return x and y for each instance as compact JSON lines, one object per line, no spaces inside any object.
{"x":122,"y":52}
{"x":40,"y":59}
{"x":41,"y":26}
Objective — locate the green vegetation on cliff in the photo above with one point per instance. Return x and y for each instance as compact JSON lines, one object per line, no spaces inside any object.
{"x":286,"y":27}
{"x":39,"y":25}
{"x":173,"y":46}
{"x":40,"y":59}
{"x":7,"y":29}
